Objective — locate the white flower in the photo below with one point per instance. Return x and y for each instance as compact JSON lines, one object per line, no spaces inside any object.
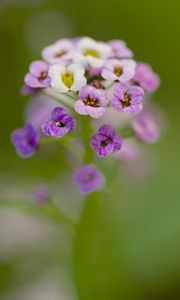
{"x":60,"y":51}
{"x":88,"y":51}
{"x":70,"y":78}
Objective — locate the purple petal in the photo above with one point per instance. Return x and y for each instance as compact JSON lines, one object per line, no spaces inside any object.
{"x":37,"y":67}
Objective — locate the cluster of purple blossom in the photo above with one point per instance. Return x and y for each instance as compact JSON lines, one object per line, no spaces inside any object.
{"x":93,"y":78}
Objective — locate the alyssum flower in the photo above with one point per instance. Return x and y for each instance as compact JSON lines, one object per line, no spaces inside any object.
{"x":38,"y":75}
{"x":91,"y":83}
{"x":88,"y":179}
{"x":70,"y":78}
{"x":106,"y":141}
{"x":59,"y":52}
{"x":119,"y":70}
{"x":91,"y":102}
{"x":25,"y":140}
{"x":59,"y":123}
{"x":127,"y":98}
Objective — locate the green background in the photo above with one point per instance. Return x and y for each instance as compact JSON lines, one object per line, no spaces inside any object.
{"x":130,"y":248}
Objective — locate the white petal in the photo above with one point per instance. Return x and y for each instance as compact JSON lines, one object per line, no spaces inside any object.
{"x":55,"y":70}
{"x":58,"y":85}
{"x":79,"y":82}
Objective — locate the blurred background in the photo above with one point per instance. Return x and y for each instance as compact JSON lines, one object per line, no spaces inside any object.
{"x":130,"y":249}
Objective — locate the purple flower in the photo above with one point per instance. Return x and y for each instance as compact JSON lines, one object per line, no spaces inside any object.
{"x":119,"y":49}
{"x":119,"y":70}
{"x":106,"y":141}
{"x":25,"y":140}
{"x":38,"y":110}
{"x":146,"y":78}
{"x":59,"y":52}
{"x":88,"y":179}
{"x":127,"y":98}
{"x":38,"y":75}
{"x":146,"y":128}
{"x":41,"y":194}
{"x":59,"y":123}
{"x":92,"y":102}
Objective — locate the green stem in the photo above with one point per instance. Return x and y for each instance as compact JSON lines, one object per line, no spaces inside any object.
{"x":86,"y":136}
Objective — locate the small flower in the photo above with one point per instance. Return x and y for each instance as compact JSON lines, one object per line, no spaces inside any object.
{"x":127,"y":99}
{"x":146,"y":78}
{"x":59,"y":123}
{"x":119,"y":70}
{"x":106,"y":141}
{"x":41,"y":194}
{"x":130,"y":151}
{"x":38,"y":75}
{"x":90,"y":52}
{"x":59,"y":52}
{"x":119,"y":49}
{"x":146,"y":128}
{"x":88,"y":179}
{"x":64,"y":79}
{"x":25,"y":140}
{"x":92,"y":102}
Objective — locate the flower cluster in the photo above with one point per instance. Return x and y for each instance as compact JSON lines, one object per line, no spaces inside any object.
{"x":90,"y":80}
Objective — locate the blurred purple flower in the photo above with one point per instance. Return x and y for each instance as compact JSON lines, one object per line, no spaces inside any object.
{"x":127,"y":99}
{"x":88,"y":179}
{"x":27,"y":90}
{"x":130,"y":151}
{"x":25,"y":140}
{"x":59,"y":123}
{"x":119,"y":49}
{"x":146,"y":78}
{"x":38,"y":75}
{"x":92,"y":102}
{"x":38,"y":109}
{"x":119,"y":70}
{"x":41,"y":194}
{"x":146,"y":127}
{"x":106,"y":141}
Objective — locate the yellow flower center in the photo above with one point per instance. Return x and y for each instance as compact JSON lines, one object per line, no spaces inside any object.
{"x":68,"y":79}
{"x":91,"y":102}
{"x":118,"y":70}
{"x":91,"y":52}
{"x":126,"y":101}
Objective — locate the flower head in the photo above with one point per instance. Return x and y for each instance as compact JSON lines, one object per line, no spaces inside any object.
{"x":38,"y":75}
{"x":91,"y":52}
{"x":59,"y":52}
{"x":88,"y":179}
{"x":25,"y":140}
{"x":146,"y":78}
{"x":91,"y":102}
{"x":59,"y":123}
{"x":64,"y":79}
{"x":119,"y":49}
{"x":127,"y":99}
{"x":106,"y":141}
{"x":119,"y":70}
{"x":146,"y":128}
